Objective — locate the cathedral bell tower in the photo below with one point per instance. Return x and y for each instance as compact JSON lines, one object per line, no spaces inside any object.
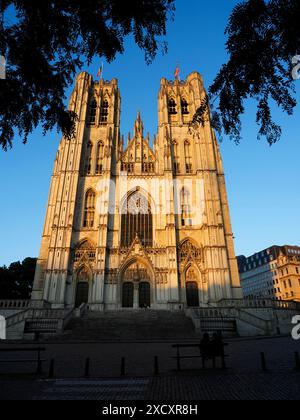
{"x":71,"y":217}
{"x":192,"y":159}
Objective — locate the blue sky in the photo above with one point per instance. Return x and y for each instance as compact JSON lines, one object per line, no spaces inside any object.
{"x":262,"y":182}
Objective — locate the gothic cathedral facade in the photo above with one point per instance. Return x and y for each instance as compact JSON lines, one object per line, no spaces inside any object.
{"x":145,"y":224}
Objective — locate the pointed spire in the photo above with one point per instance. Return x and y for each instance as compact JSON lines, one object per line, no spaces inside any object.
{"x":138,"y":126}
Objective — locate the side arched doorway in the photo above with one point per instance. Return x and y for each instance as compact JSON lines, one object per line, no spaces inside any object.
{"x":192,"y":294}
{"x":82,"y":288}
{"x":192,"y":288}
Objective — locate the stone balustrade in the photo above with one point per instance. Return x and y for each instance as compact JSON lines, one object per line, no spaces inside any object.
{"x":14,"y":304}
{"x":259,"y":304}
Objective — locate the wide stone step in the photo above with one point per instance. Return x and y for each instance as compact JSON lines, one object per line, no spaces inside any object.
{"x":130,"y":325}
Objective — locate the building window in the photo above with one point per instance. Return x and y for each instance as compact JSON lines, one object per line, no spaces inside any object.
{"x":127,"y":167}
{"x":148,"y":168}
{"x":89,"y":210}
{"x":89,"y":157}
{"x":186,"y":208}
{"x":99,"y":158}
{"x":188,"y":157}
{"x":172,"y":107}
{"x":176,"y":168}
{"x":137,"y":220}
{"x":104,"y":111}
{"x":176,"y":164}
{"x":184,"y":107}
{"x":93,"y":112}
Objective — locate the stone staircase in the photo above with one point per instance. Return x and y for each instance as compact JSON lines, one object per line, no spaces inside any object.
{"x":130,"y":325}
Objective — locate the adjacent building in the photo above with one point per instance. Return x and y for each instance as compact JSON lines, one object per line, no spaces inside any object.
{"x":273,"y":273}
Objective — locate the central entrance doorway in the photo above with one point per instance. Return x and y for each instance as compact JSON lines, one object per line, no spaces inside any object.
{"x":128,"y":295}
{"x":136,"y":288}
{"x":82,"y":294}
{"x":144,"y":295}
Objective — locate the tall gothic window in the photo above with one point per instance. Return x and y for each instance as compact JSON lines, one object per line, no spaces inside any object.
{"x":89,"y":159}
{"x":93,"y":112}
{"x":175,"y":149}
{"x":184,"y":107}
{"x":89,"y":210}
{"x":188,"y":158}
{"x":172,"y":107}
{"x":99,"y":158}
{"x":104,"y":112}
{"x":137,"y":219}
{"x":186,"y":210}
{"x":176,"y":158}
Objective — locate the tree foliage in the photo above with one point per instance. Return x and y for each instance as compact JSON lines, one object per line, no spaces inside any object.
{"x":17,"y":280}
{"x":263,"y":37}
{"x":46,"y":42}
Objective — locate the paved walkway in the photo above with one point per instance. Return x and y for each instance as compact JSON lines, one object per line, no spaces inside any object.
{"x":256,"y":386}
{"x":244,"y":356}
{"x":243,"y":380}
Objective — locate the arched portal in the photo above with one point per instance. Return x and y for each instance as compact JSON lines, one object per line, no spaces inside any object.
{"x":82,"y":288}
{"x":144,"y":295}
{"x":128,"y":295}
{"x":136,"y":286}
{"x":192,"y":294}
{"x":192,"y":288}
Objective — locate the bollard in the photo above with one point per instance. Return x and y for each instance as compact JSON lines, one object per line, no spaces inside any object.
{"x":214,"y":362}
{"x":156,"y":366}
{"x":263,"y":362}
{"x":224,"y":367}
{"x":39,"y":370}
{"x":178,"y":360}
{"x":51,"y":369}
{"x":87,"y":368}
{"x":123,"y":369}
{"x":297,"y":361}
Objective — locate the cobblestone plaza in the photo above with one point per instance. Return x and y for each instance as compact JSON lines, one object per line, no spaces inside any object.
{"x":242,"y":380}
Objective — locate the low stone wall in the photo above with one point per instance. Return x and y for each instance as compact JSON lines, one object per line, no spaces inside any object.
{"x":8,"y":312}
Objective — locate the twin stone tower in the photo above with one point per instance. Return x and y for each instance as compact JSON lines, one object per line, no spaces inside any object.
{"x":141,"y":224}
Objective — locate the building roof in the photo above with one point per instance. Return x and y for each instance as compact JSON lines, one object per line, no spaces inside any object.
{"x":266,"y":256}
